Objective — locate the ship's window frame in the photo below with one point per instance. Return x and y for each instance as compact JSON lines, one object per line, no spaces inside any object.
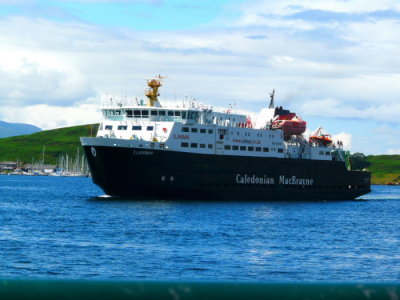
{"x":242,"y":148}
{"x":328,"y":153}
{"x":185,"y":129}
{"x":154,"y":112}
{"x":170,"y":113}
{"x":250,"y":148}
{"x":161,"y":113}
{"x":122,"y":127}
{"x":129,"y":113}
{"x":108,"y":127}
{"x":184,"y":144}
{"x":150,"y":128}
{"x":203,"y":146}
{"x":227,"y":147}
{"x":258,"y":149}
{"x":193,"y":115}
{"x":235,"y":148}
{"x":194,"y":129}
{"x":321,"y":152}
{"x":265,"y":149}
{"x":210,"y":146}
{"x":183,"y":114}
{"x":137,"y":113}
{"x":136,"y":127}
{"x":177,"y":113}
{"x":280,"y":150}
{"x":203,"y":130}
{"x":193,"y":145}
{"x":210,"y":131}
{"x":145,"y":113}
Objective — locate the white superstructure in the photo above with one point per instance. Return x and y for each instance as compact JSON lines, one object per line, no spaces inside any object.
{"x":200,"y":129}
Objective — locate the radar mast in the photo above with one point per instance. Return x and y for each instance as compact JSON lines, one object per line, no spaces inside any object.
{"x":152,"y":92}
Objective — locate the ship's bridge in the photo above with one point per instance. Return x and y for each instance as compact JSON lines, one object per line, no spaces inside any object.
{"x":186,"y":115}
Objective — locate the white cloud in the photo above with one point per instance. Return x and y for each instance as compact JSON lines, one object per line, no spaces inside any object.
{"x":337,"y":69}
{"x":333,"y":108}
{"x":393,"y":151}
{"x":16,"y":2}
{"x":288,"y":7}
{"x":50,"y":117}
{"x":26,"y":79}
{"x":345,"y":138}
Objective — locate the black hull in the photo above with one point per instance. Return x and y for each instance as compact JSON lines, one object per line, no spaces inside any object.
{"x":163,"y":174}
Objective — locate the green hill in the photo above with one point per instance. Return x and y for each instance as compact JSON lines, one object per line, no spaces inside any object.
{"x":385,"y":169}
{"x":56,"y":142}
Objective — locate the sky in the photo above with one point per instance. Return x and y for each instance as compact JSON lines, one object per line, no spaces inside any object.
{"x":335,"y":63}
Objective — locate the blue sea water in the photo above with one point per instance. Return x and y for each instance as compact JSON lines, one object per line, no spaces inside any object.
{"x":58,"y":228}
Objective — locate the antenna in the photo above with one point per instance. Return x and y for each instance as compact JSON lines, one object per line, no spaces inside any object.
{"x":272,"y":95}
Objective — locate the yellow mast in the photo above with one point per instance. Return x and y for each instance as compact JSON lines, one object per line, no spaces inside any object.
{"x":152,"y":93}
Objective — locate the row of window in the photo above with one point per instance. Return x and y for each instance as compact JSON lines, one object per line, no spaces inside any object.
{"x":210,"y":131}
{"x":326,"y":153}
{"x":145,"y":113}
{"x":229,"y":147}
{"x":195,"y":130}
{"x":196,"y":145}
{"x":250,"y":148}
{"x":125,"y":127}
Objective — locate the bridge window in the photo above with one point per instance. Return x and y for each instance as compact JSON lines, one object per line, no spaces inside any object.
{"x":193,"y":115}
{"x":202,"y":130}
{"x":136,"y":113}
{"x":177,"y":113}
{"x":170,"y":113}
{"x":145,"y":113}
{"x":194,"y":129}
{"x":154,"y":112}
{"x":210,"y":131}
{"x":161,"y":113}
{"x":122,"y":127}
{"x":265,"y":149}
{"x":129,"y":113}
{"x":242,"y":148}
{"x":136,"y":127}
{"x":235,"y":148}
{"x":250,"y":148}
{"x":280,"y":150}
{"x":258,"y":149}
{"x":227,"y":147}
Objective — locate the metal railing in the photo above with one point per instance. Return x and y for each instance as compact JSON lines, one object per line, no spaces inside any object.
{"x":102,"y":289}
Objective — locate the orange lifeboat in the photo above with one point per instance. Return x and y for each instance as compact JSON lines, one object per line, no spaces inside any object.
{"x":290,"y":124}
{"x":324,"y":139}
{"x":320,"y":138}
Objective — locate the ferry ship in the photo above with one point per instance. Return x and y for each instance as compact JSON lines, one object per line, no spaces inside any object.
{"x":147,"y":150}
